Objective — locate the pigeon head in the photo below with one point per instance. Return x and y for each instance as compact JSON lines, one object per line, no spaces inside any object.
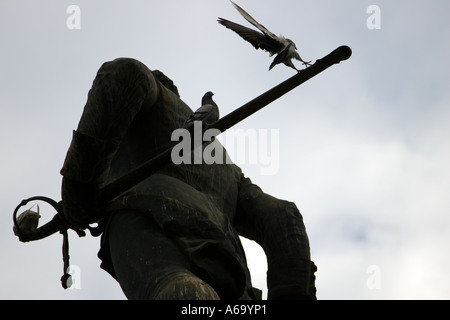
{"x":207,"y":98}
{"x":292,"y":43}
{"x":209,"y":94}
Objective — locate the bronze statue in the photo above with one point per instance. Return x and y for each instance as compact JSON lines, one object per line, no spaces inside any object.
{"x":174,"y":235}
{"x":171,"y":231}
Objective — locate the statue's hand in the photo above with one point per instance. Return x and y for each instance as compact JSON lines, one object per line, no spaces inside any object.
{"x":80,"y":204}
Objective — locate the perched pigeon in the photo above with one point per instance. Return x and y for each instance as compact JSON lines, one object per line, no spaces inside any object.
{"x":285,"y":49}
{"x":207,"y":113}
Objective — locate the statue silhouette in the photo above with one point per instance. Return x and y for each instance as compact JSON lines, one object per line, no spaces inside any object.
{"x":175,"y":235}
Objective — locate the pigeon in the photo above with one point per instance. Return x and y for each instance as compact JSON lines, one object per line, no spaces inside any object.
{"x":207,"y":113}
{"x":285,"y":49}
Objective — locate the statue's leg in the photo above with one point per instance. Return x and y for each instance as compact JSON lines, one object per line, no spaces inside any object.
{"x":148,"y":265}
{"x":277,"y":225}
{"x":184,"y":286}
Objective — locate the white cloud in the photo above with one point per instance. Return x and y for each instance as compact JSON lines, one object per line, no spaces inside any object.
{"x":363,"y":147}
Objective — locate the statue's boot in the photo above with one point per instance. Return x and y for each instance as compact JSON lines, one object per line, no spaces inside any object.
{"x":185,"y":286}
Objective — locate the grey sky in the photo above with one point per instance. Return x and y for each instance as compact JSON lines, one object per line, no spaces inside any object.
{"x":364,"y":147}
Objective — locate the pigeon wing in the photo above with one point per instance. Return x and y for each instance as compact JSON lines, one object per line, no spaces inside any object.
{"x":207,"y":113}
{"x":212,"y":116}
{"x":263,"y":29}
{"x":256,"y":38}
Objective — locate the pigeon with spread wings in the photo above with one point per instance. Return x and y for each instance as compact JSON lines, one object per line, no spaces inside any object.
{"x":285,"y":49}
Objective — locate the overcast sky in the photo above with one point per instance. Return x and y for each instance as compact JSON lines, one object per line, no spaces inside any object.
{"x":363,"y":147}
